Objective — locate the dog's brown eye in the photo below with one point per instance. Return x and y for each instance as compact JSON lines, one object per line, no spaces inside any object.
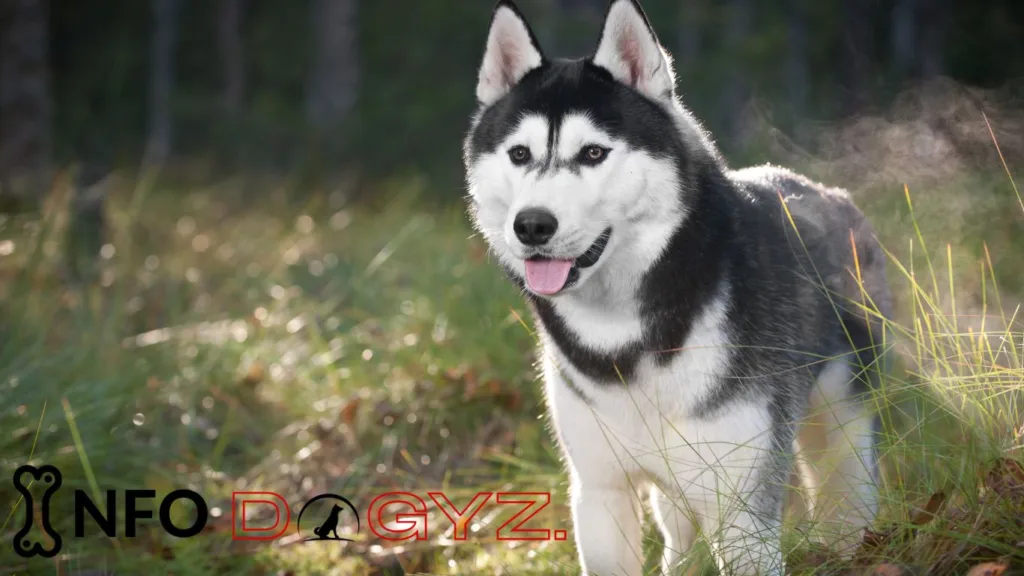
{"x":519,"y":155}
{"x":593,"y":154}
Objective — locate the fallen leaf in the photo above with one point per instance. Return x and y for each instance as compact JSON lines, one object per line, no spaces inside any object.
{"x":349,"y":411}
{"x":1005,"y":477}
{"x":512,"y":400}
{"x":469,"y":386}
{"x":469,"y":377}
{"x":927,"y":514}
{"x":989,"y":569}
{"x":255,"y":374}
{"x":874,"y":539}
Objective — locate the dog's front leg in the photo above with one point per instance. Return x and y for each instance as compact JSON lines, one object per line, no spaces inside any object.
{"x":746,"y":455}
{"x":606,"y":515}
{"x":606,"y":509}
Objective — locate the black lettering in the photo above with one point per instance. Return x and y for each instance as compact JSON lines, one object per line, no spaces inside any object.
{"x":131,"y":514}
{"x":107,"y":523}
{"x":201,"y":514}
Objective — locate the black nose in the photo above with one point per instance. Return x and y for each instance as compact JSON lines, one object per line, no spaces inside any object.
{"x":534,"y":226}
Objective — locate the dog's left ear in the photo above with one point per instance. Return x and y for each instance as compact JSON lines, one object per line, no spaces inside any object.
{"x":512,"y":51}
{"x":630,"y":50}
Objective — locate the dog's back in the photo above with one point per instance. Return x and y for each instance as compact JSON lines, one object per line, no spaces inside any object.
{"x":830,"y":238}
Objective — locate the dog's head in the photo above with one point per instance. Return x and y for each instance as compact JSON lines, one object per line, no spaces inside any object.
{"x":577,"y":168}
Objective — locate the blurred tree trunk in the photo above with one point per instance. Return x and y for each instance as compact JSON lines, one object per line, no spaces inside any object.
{"x":689,"y":39}
{"x":934,"y":16}
{"x":334,"y":74}
{"x":232,"y":54}
{"x":739,"y":13}
{"x":904,"y":37}
{"x":88,"y":226}
{"x":589,"y":9}
{"x":161,"y":80}
{"x":592,"y":11}
{"x":25,"y":106}
{"x":797,"y":74}
{"x":580,"y":15}
{"x":856,"y":55}
{"x":546,"y":22}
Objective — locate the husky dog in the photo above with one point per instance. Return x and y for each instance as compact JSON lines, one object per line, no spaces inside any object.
{"x":699,"y":326}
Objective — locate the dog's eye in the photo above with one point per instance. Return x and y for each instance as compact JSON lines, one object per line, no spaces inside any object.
{"x":519,"y":155}
{"x":593,"y":154}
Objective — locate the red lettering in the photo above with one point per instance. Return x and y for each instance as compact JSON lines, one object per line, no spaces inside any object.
{"x":248,"y":501}
{"x":404,"y":526}
{"x":535,"y":501}
{"x":460,"y":519}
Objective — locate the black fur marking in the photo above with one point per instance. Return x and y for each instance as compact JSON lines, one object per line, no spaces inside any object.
{"x":676,"y":289}
{"x":594,"y":252}
{"x":870,"y":360}
{"x":551,"y":160}
{"x":562,"y":87}
{"x":617,"y":367}
{"x":577,"y":391}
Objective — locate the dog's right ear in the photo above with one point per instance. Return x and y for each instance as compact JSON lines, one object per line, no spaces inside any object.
{"x":630,"y":50}
{"x":512,"y":51}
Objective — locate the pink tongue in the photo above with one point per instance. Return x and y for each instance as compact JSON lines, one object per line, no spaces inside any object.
{"x":547,"y":276}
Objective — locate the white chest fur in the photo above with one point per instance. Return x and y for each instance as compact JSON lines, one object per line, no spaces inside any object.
{"x":649,"y":415}
{"x":620,"y":439}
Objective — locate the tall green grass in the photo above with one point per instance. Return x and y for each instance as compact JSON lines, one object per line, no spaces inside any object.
{"x":246,"y":335}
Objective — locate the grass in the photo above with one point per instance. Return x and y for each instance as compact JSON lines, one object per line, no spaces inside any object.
{"x":235,"y":337}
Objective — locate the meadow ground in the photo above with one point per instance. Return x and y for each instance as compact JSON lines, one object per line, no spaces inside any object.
{"x":246,"y":335}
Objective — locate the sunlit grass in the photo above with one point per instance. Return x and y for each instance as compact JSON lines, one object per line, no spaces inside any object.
{"x":242,"y":336}
{"x":953,"y":414}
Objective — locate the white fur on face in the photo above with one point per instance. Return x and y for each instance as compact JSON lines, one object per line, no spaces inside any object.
{"x":631,"y":52}
{"x":509,"y":56}
{"x":632,"y":192}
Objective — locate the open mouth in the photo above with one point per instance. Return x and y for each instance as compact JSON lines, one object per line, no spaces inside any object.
{"x":552,"y":275}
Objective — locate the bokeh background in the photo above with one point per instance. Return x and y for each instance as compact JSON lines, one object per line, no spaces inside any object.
{"x":385,"y":86}
{"x":234,"y":254}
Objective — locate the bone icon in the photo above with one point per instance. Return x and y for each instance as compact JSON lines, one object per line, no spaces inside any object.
{"x":51,"y":478}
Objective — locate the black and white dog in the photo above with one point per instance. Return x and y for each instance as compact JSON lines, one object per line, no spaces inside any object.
{"x":700,"y":326}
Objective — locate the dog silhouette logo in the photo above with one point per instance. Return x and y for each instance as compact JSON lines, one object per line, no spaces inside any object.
{"x":51,"y":478}
{"x":327,"y":529}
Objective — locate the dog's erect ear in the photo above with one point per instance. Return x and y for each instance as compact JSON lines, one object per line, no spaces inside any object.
{"x":629,"y":49}
{"x":512,"y":51}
